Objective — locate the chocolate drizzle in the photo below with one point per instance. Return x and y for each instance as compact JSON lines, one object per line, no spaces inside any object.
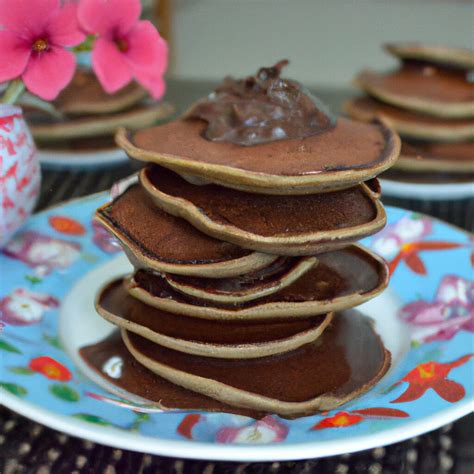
{"x":261,"y":109}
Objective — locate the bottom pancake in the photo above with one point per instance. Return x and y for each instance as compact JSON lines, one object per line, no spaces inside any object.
{"x":139,"y":381}
{"x":344,"y":362}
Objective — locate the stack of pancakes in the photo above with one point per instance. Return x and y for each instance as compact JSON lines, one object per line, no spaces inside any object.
{"x":247,"y":270}
{"x":429,"y":100}
{"x":85,"y":117}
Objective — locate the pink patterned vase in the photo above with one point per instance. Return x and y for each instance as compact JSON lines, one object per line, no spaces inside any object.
{"x":19,"y":171}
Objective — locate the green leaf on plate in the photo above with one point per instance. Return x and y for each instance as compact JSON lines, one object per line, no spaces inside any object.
{"x":33,"y":279}
{"x":53,"y":341}
{"x":64,"y":392}
{"x":17,"y":390}
{"x":92,"y":419}
{"x":89,"y":257}
{"x":21,"y":370}
{"x":414,"y":344}
{"x":6,"y":346}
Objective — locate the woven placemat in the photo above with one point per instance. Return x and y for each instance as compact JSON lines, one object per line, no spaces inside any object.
{"x":27,"y":447}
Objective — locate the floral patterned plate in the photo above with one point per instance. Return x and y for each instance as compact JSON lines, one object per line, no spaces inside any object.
{"x":48,"y":276}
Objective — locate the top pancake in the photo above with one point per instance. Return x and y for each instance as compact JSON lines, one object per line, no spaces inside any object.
{"x":345,"y":155}
{"x":436,"y":54}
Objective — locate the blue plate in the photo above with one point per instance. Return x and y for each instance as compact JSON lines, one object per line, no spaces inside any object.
{"x":430,"y":331}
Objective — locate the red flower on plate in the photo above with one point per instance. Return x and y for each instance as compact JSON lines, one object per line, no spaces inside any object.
{"x":409,"y":253}
{"x":340,"y":419}
{"x":50,"y":368}
{"x":433,"y":375}
{"x":345,"y":418}
{"x":66,"y":225}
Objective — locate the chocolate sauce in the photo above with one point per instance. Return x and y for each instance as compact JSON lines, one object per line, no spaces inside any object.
{"x":338,"y":273}
{"x":139,"y":381}
{"x":348,"y":359}
{"x":261,"y":109}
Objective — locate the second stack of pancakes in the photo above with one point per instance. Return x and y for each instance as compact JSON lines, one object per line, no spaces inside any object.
{"x":242,"y":233}
{"x":429,"y":100}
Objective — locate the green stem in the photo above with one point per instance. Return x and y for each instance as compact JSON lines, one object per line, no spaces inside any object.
{"x":14,"y":90}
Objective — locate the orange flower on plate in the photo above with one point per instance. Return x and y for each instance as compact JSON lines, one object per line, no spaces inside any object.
{"x":339,"y":420}
{"x":433,"y":375}
{"x":50,"y":368}
{"x":66,"y":225}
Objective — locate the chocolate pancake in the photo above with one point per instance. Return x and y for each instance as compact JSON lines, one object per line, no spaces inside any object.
{"x":422,"y":88}
{"x":346,"y":361}
{"x":340,"y":157}
{"x":51,"y":130}
{"x":443,"y":55}
{"x":448,"y":157}
{"x":139,"y":381}
{"x":223,"y":339}
{"x":257,"y":284}
{"x":411,"y":124}
{"x":86,"y":96}
{"x":342,"y":279}
{"x":282,"y":225}
{"x":159,"y":241}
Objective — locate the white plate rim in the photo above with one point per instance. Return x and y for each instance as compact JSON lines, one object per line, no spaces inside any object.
{"x":64,"y":160}
{"x":117,"y":438}
{"x":435,"y":192}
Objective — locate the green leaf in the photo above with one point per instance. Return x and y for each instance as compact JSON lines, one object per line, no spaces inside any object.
{"x":33,"y":279}
{"x":391,"y":388}
{"x":89,"y":257}
{"x":6,"y":346}
{"x":140,"y":418}
{"x":21,"y":370}
{"x":53,"y":341}
{"x":64,"y":392}
{"x":17,"y":390}
{"x":92,"y":419}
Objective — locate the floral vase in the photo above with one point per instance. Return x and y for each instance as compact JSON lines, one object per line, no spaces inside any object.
{"x":19,"y":171}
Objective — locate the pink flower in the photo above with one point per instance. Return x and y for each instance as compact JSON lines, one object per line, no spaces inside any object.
{"x":33,"y":37}
{"x":407,"y":229}
{"x":125,"y":47}
{"x":104,"y":240}
{"x":451,"y":310}
{"x":23,"y":307}
{"x":41,"y":252}
{"x":266,"y":430}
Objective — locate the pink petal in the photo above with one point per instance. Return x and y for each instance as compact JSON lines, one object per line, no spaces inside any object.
{"x":27,"y":17}
{"x":49,"y":73}
{"x":147,"y":49}
{"x":110,"y":65}
{"x":155,"y":85}
{"x":64,"y":27}
{"x":14,"y":55}
{"x":108,"y":17}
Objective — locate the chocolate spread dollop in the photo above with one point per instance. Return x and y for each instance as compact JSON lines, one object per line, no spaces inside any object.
{"x":261,"y":109}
